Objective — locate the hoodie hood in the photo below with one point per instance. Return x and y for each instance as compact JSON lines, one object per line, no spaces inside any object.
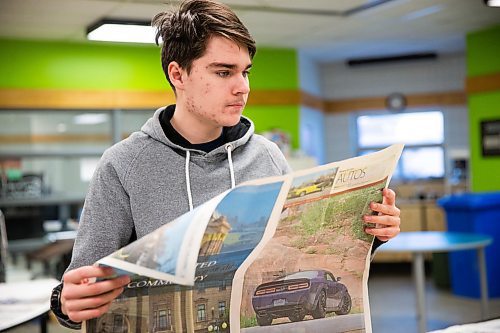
{"x":236,"y":136}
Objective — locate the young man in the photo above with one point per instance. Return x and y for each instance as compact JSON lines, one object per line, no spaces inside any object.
{"x":184,"y":155}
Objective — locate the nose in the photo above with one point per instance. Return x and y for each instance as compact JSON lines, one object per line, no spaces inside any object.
{"x":242,"y":85}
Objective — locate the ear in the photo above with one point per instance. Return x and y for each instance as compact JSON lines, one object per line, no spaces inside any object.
{"x":176,"y":74}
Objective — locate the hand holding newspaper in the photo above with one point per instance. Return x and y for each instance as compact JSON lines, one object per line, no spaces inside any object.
{"x":287,"y":250}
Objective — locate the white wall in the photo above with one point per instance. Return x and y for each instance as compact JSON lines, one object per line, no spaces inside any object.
{"x":311,"y":130}
{"x":340,"y":136}
{"x":312,"y":135}
{"x":446,"y":73}
{"x":309,"y":75}
{"x":339,"y":81}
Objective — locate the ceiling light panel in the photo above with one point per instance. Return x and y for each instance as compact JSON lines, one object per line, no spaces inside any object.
{"x":423,"y":12}
{"x":119,"y":32}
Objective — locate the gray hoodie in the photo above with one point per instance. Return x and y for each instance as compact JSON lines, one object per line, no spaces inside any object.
{"x":145,"y":181}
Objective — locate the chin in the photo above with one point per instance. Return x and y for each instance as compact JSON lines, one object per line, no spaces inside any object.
{"x":231,"y":120}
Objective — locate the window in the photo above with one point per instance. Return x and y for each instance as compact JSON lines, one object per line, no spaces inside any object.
{"x":421,"y":132}
{"x":222,"y":308}
{"x":202,"y":314}
{"x":64,"y":145}
{"x":222,"y":285}
{"x":162,"y":320}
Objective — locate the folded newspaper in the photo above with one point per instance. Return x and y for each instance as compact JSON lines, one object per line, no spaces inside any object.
{"x":279,"y":254}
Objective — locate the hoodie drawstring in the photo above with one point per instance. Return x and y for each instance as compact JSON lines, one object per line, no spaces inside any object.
{"x":229,"y":149}
{"x":188,"y":182}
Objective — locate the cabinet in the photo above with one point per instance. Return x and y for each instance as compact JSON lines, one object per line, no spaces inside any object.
{"x":24,"y":217}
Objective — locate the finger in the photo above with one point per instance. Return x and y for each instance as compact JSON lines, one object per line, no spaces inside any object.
{"x":383,"y":233}
{"x":86,"y":272}
{"x":92,"y":302}
{"x":385,"y":209}
{"x":79,"y":316}
{"x":384,"y":220}
{"x":383,"y":238}
{"x":389,"y":197}
{"x":87,"y":290}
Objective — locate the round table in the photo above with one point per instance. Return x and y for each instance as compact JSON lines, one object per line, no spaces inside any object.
{"x":422,"y":242}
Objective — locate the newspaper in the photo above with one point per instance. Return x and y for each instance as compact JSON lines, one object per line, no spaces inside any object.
{"x":279,"y":254}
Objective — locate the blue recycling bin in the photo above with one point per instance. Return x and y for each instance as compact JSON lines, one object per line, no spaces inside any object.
{"x":474,"y":213}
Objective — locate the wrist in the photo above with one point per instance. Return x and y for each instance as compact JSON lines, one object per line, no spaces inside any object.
{"x":56,"y":307}
{"x":55,"y":302}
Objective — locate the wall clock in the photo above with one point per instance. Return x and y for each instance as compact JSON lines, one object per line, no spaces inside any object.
{"x":395,"y":102}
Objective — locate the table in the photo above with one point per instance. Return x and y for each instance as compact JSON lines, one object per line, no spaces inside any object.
{"x":21,"y":302}
{"x":485,"y":326}
{"x":422,"y":242}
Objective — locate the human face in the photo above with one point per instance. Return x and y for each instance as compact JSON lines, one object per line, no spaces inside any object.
{"x":216,"y":89}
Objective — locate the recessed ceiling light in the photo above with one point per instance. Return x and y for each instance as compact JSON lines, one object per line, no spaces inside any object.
{"x":423,"y":12}
{"x":122,"y":31}
{"x":492,"y":3}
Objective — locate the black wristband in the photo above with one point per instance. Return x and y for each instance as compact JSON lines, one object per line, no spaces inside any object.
{"x":55,"y":302}
{"x":56,"y":308}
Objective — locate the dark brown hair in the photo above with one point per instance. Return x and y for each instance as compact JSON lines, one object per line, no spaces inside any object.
{"x":185,"y":32}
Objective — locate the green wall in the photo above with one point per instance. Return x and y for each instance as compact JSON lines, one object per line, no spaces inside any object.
{"x":275,"y":69}
{"x":27,"y":64}
{"x":483,"y":58}
{"x":86,"y":66}
{"x":483,"y":52}
{"x":284,"y":117}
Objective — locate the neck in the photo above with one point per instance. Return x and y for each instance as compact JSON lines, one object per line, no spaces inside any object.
{"x":192,"y":128}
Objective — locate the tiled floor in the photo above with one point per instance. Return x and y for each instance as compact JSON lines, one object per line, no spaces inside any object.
{"x":392,"y":303}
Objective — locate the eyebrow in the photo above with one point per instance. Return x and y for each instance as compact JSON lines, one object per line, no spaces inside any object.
{"x":225,"y":65}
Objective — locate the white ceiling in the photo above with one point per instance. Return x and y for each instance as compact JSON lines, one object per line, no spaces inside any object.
{"x":323,"y":34}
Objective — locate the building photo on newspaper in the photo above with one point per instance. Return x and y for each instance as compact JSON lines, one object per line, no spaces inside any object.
{"x":279,"y":254}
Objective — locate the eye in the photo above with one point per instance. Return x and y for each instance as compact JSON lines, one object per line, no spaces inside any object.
{"x":246,"y":73}
{"x":223,"y":73}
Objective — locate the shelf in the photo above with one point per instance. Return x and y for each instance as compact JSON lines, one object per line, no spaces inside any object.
{"x":46,"y":200}
{"x":58,"y":153}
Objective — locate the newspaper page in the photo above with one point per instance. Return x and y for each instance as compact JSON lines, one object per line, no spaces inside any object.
{"x":279,"y":254}
{"x":312,"y":275}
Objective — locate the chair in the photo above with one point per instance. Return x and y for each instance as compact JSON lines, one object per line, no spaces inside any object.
{"x":58,"y":247}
